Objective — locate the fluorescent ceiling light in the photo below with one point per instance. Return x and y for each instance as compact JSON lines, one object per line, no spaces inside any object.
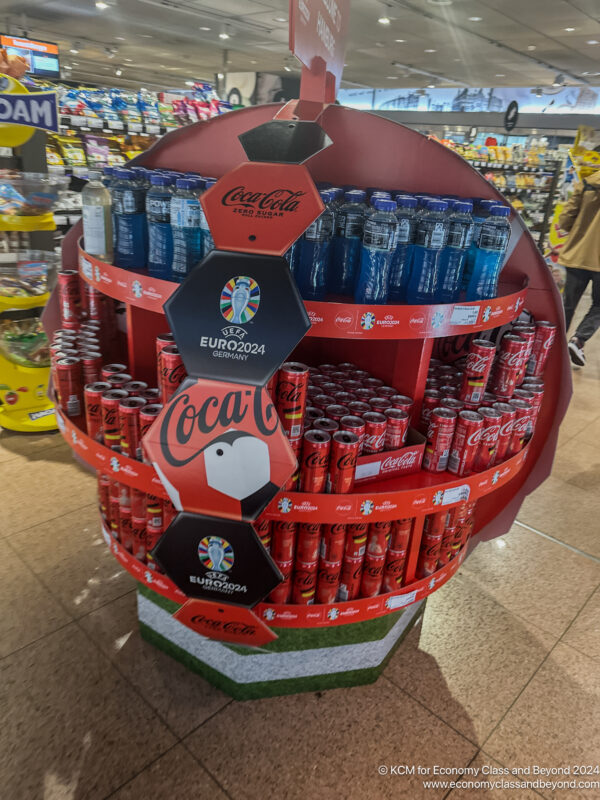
{"x":223,"y":35}
{"x":400,"y":41}
{"x":101,"y":5}
{"x":569,"y":30}
{"x":384,"y":20}
{"x":429,"y":51}
{"x":475,"y":19}
{"x":203,"y":28}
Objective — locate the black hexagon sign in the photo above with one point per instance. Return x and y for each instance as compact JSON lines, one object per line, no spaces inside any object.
{"x":237,"y":316}
{"x":283,"y":141}
{"x":216,"y":559}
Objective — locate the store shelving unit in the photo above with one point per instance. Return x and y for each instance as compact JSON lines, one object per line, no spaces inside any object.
{"x":348,"y":642}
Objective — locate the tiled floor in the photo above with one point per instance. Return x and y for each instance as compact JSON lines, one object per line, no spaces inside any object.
{"x":502,"y":672}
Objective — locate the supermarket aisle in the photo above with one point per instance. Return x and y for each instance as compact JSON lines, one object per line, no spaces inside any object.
{"x":502,"y":670}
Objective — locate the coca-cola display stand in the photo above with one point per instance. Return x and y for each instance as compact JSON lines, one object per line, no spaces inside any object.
{"x":345,"y":643}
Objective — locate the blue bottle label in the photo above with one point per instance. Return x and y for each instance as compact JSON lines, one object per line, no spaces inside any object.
{"x":132,"y":201}
{"x":159,"y":207}
{"x":405,"y":231}
{"x":493,"y":237}
{"x":460,"y":235}
{"x":350,"y":225}
{"x":185,"y":212}
{"x":431,"y":235}
{"x":380,"y":235}
{"x":321,"y":229}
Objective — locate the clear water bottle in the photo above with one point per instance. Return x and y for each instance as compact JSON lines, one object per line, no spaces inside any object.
{"x":489,"y":258}
{"x":97,"y":219}
{"x":185,"y":227}
{"x":346,"y":245}
{"x":452,"y":259}
{"x":481,"y":211}
{"x":129,"y":211}
{"x":402,"y":258}
{"x":158,"y":217}
{"x":207,"y":239}
{"x":378,"y":245}
{"x":430,"y":239}
{"x":314,"y":255}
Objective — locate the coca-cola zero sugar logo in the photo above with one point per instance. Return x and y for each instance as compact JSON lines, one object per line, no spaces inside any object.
{"x":275,"y":202}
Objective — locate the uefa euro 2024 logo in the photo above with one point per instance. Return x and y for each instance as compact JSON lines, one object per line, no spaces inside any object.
{"x":240,"y":299}
{"x":216,"y":554}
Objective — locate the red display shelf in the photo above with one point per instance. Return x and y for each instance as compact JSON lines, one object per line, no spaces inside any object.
{"x":329,"y":320}
{"x":126,"y":470}
{"x":294,"y":616}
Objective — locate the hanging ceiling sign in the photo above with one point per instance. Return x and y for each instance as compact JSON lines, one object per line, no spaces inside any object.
{"x":319,"y":30}
{"x":219,"y":449}
{"x":511,"y":115}
{"x":22,"y":112}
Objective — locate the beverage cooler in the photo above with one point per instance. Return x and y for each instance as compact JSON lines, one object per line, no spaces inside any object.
{"x":304,"y":468}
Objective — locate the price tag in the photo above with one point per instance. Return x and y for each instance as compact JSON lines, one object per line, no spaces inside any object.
{"x":136,"y":127}
{"x":80,"y":172}
{"x":6,"y":152}
{"x":78,"y":122}
{"x":96,"y":123}
{"x":152,"y":128}
{"x":401,"y":600}
{"x":464,"y":315}
{"x":115,"y":125}
{"x":459,"y":494}
{"x":60,"y":219}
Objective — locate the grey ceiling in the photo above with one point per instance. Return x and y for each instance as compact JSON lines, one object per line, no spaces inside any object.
{"x":161,"y":42}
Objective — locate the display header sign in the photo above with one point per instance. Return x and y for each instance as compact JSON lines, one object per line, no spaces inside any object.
{"x":21,"y":112}
{"x":319,"y":29}
{"x":41,"y":57}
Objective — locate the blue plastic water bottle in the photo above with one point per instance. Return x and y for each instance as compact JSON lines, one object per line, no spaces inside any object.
{"x":349,"y":224}
{"x":207,"y":239}
{"x":158,"y":217}
{"x":185,"y":227}
{"x":452,"y":259}
{"x":489,"y":258}
{"x":481,"y":212}
{"x":314,"y":254}
{"x":402,"y":258}
{"x":128,"y":199}
{"x":430,"y":239}
{"x":378,"y":245}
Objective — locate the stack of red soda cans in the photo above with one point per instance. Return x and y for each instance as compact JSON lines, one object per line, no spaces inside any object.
{"x":444,"y":535}
{"x":323,"y":563}
{"x":483,"y":409}
{"x":332,"y":414}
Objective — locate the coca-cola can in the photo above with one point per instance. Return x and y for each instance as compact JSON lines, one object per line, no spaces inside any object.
{"x":336,"y":412}
{"x":465,"y":443}
{"x":439,"y":439}
{"x":119,"y":380}
{"x":393,"y":571}
{"x":492,"y":423}
{"x":545,"y":333}
{"x":69,"y":386}
{"x":507,"y":366}
{"x":125,"y":531}
{"x":453,"y":403}
{"x":530,"y":381}
{"x":372,"y":574}
{"x":403,"y":402}
{"x":331,"y":388}
{"x":365,"y":394}
{"x":103,"y":494}
{"x":360,"y":375}
{"x":325,"y":425}
{"x":429,"y":556}
{"x":138,"y":503}
{"x":290,"y":397}
{"x":373,"y":383}
{"x":315,"y":461}
{"x":327,"y":368}
{"x":346,"y":366}
{"x":138,"y":537}
{"x":135,"y":388}
{"x":92,"y":395}
{"x":69,"y":298}
{"x":342,"y":462}
{"x":129,"y":422}
{"x":509,"y":414}
{"x":328,"y":581}
{"x":91,"y":364}
{"x":396,"y":429}
{"x":154,"y":532}
{"x":355,"y":425}
{"x":356,"y":540}
{"x":378,"y":537}
{"x":358,"y":408}
{"x":431,"y":400}
{"x":308,"y":542}
{"x":283,"y":540}
{"x":281,"y":594}
{"x":111,"y":424}
{"x":312,"y":413}
{"x":322,"y":401}
{"x":151,"y":395}
{"x":343,"y":398}
{"x":387,"y":391}
{"x":339,"y":374}
{"x":400,"y":534}
{"x":351,"y":385}
{"x":446,"y":551}
{"x":520,"y":427}
{"x":379,"y":404}
{"x":148,"y":414}
{"x":375,"y":428}
{"x":304,"y":582}
{"x":172,"y":372}
{"x":526,"y":332}
{"x":488,"y":399}
{"x":537,"y":393}
{"x":449,"y":390}
{"x":476,"y":371}
{"x":112,"y":369}
{"x":162,"y":340}
{"x":317,"y":378}
{"x":350,"y":578}
{"x":333,"y":540}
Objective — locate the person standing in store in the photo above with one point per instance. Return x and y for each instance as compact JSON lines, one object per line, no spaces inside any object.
{"x":581,"y":257}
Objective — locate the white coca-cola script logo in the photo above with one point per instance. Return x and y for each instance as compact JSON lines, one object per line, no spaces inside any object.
{"x":399,"y":462}
{"x":340,"y":320}
{"x":475,"y":437}
{"x":510,"y":359}
{"x":478,"y":364}
{"x":507,"y":428}
{"x":374,"y":442}
{"x":490,"y":435}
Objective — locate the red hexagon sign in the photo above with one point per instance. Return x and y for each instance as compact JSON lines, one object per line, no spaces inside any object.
{"x":261,"y":208}
{"x":225,"y":623}
{"x":219,"y":449}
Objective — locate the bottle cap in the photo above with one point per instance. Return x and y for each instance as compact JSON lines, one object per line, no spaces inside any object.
{"x":185,"y":183}
{"x":161,"y":180}
{"x":355,"y":195}
{"x":125,"y":174}
{"x":406,"y":201}
{"x":437,"y":205}
{"x":465,"y":206}
{"x":326,"y":196}
{"x":384,"y":204}
{"x":385,"y":195}
{"x":500,"y":211}
{"x":208,"y":182}
{"x":94,"y":175}
{"x":108,"y":171}
{"x":487,"y":204}
{"x":336,"y":191}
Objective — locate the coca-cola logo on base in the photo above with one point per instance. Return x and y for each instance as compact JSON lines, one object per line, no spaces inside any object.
{"x":403,"y":462}
{"x":225,"y":623}
{"x":282,"y":200}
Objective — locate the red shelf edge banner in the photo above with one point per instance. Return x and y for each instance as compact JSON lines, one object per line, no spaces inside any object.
{"x":293,"y":616}
{"x":125,"y":470}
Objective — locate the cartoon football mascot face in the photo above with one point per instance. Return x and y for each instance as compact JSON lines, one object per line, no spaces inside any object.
{"x":237,"y":464}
